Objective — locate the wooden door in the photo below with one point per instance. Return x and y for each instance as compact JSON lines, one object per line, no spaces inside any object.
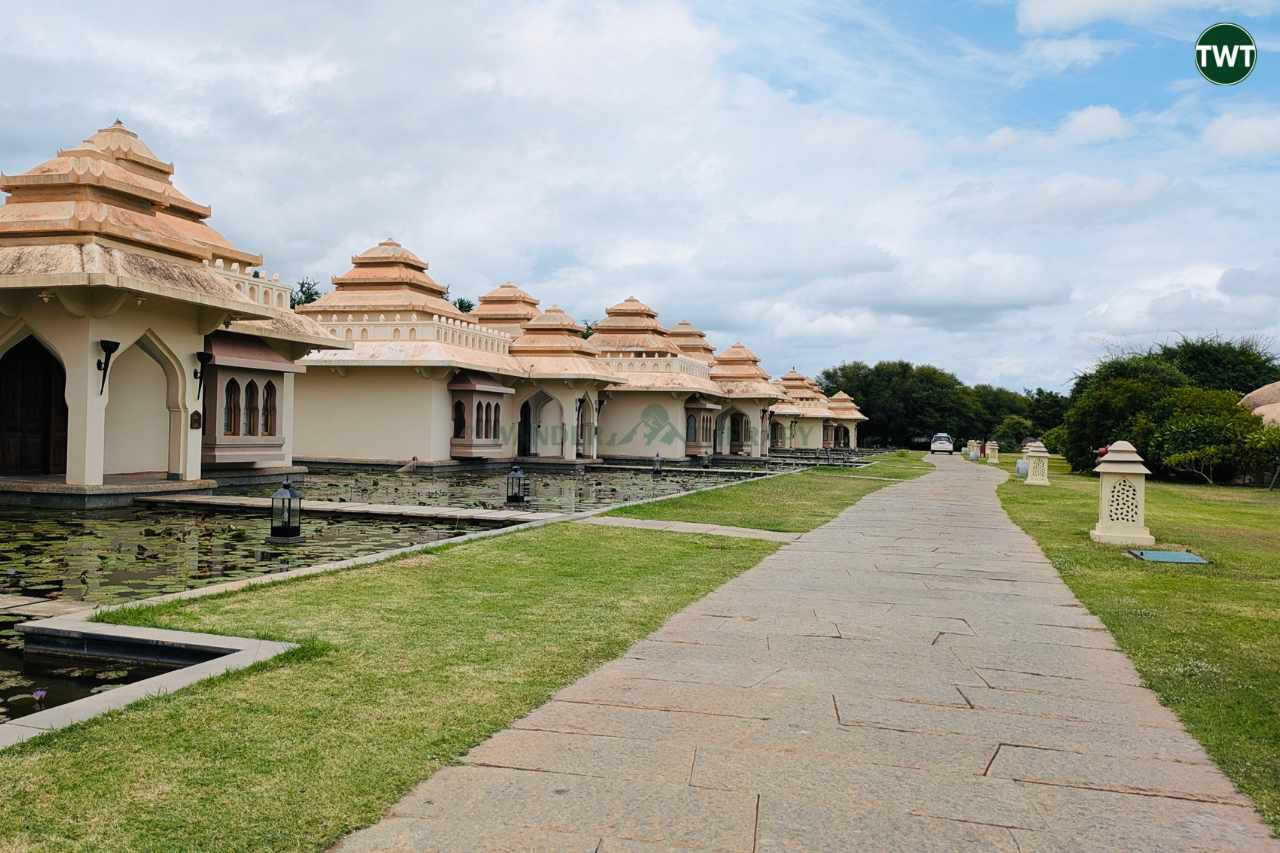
{"x":33,"y":411}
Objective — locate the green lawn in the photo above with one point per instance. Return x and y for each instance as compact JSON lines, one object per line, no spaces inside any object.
{"x":403,"y":667}
{"x":1205,"y":638}
{"x":793,"y":503}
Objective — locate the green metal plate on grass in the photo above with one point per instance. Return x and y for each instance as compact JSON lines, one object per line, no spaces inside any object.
{"x":1168,"y":556}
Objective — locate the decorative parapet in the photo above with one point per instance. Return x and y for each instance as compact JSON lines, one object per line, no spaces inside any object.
{"x":668,"y":364}
{"x":258,"y":289}
{"x":414,"y":326}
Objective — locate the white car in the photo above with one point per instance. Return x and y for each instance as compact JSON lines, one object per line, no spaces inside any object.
{"x":942,"y":443}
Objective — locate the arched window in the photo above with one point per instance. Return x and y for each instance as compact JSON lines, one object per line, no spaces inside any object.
{"x":395,"y":334}
{"x":347,"y":335}
{"x":364,"y":334}
{"x":690,"y":428}
{"x":279,"y":300}
{"x":413,"y":334}
{"x":497,"y":420}
{"x":251,"y":408}
{"x":479,"y":427}
{"x":231,"y":409}
{"x":269,"y":408}
{"x":459,"y":420}
{"x":488,"y":420}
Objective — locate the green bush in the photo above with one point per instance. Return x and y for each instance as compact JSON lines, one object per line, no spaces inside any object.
{"x":1012,"y":431}
{"x":1055,"y":440}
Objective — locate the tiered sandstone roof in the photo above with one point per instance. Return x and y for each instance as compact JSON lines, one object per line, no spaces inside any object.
{"x":386,"y":277}
{"x":692,"y":342}
{"x":638,"y":348}
{"x":506,"y":307}
{"x":632,"y":328}
{"x":738,"y":372}
{"x":105,"y":214}
{"x":843,"y":407}
{"x":552,"y":347}
{"x":404,"y":319}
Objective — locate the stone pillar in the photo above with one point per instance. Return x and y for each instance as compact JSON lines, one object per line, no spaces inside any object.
{"x":86,"y":415}
{"x":993,"y":453}
{"x":1122,"y":498}
{"x":1037,"y":457}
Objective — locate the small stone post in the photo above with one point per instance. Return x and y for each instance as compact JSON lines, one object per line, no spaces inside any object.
{"x":993,"y":453}
{"x":1037,"y":456}
{"x":1122,"y":498}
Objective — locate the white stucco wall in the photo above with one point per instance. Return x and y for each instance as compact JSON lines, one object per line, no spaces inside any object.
{"x":642,"y":424}
{"x":137,"y":436}
{"x":808,"y":433}
{"x":388,"y":413}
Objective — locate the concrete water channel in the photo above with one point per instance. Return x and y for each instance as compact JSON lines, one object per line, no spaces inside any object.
{"x":58,"y":565}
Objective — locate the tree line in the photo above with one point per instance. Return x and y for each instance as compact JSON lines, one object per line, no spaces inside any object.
{"x":1177,"y":402}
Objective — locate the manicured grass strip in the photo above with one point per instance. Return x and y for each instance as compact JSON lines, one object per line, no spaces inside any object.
{"x":1205,"y":638}
{"x":404,"y":667}
{"x":794,"y":503}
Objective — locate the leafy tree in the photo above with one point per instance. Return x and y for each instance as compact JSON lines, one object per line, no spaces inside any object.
{"x":304,"y":293}
{"x":463,"y":304}
{"x":906,"y":403}
{"x":588,"y":328}
{"x":1264,"y":445}
{"x":1203,"y":432}
{"x":1229,"y":365}
{"x":1012,"y":431}
{"x":1055,"y":440}
{"x":1115,"y":401}
{"x":1046,"y":409}
{"x":992,"y":405}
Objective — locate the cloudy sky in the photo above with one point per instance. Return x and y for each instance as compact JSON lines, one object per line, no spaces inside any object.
{"x":1005,"y":189}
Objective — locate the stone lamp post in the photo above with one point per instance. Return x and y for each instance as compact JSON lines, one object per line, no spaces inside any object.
{"x":1037,"y":456}
{"x":993,"y":453}
{"x":1122,"y":498}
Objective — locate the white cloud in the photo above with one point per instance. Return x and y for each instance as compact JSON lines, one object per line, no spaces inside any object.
{"x":1064,"y":54}
{"x":1245,"y":136}
{"x":1037,"y":16}
{"x":1095,"y":124}
{"x":1087,"y":126}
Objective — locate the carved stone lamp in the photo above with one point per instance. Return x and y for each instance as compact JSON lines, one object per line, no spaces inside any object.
{"x":1037,"y":456}
{"x":993,"y":453}
{"x":1122,"y":498}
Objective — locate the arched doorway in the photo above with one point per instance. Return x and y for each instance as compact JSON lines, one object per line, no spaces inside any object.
{"x":33,"y":411}
{"x":524,"y":442}
{"x":777,"y":435}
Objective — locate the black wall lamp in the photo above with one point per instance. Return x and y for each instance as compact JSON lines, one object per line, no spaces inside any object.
{"x":204,"y":358}
{"x":108,"y":349}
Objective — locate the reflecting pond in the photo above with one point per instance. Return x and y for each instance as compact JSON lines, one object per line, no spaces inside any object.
{"x":110,"y":556}
{"x":549,"y":491}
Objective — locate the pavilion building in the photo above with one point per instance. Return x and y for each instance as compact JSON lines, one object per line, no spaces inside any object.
{"x":742,"y":427}
{"x":806,"y":419}
{"x":138,"y":348}
{"x":662,"y":393}
{"x":422,"y":381}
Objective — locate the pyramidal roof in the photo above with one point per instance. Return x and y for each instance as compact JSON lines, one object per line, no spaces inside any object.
{"x":632,"y":327}
{"x":842,"y":406}
{"x":507,"y":307}
{"x":552,"y":347}
{"x":113,"y":185}
{"x":692,"y":341}
{"x":737,"y":370}
{"x":386,"y":277}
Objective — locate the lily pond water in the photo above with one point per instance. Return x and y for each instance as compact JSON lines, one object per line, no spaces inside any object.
{"x":549,"y":491}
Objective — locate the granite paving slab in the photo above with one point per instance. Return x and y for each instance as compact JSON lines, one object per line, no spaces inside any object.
{"x":911,"y":676}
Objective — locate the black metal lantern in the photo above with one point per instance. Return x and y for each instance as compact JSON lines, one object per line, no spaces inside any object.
{"x":657,"y":464}
{"x":517,"y":486}
{"x":286,"y":516}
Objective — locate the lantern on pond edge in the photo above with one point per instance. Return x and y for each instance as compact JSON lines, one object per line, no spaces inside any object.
{"x":657,"y":464}
{"x":517,"y":486}
{"x":286,"y":516}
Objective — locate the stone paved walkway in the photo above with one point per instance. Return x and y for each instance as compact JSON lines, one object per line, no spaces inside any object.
{"x":912,"y":676}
